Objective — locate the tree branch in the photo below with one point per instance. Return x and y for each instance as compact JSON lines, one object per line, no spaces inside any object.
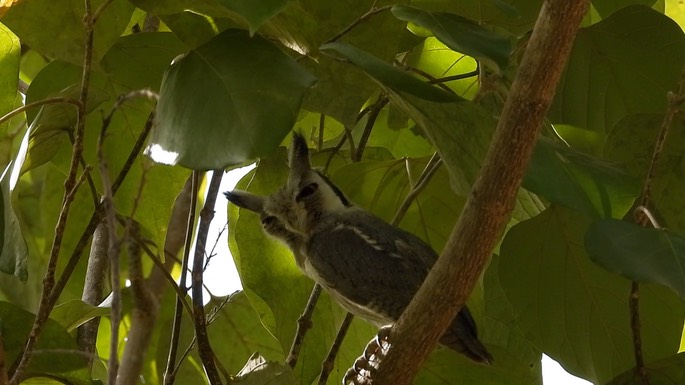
{"x":644,"y":217}
{"x":170,"y":372}
{"x":327,"y":365}
{"x":203,"y":346}
{"x":304,"y":323}
{"x":491,"y":200}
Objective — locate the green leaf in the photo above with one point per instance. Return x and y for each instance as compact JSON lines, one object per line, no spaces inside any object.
{"x":607,"y":7}
{"x":460,"y":132}
{"x":10,"y":52}
{"x":579,"y":181}
{"x":150,"y":53}
{"x":516,"y":16}
{"x":633,"y":58}
{"x":387,"y":75}
{"x":55,"y":29}
{"x":14,"y":250}
{"x":255,"y":12}
{"x":74,"y":313}
{"x":242,"y":334}
{"x":436,"y":59}
{"x":638,"y":253}
{"x":668,"y":371}
{"x":460,"y":34}
{"x":631,"y":144}
{"x":574,"y":311}
{"x":56,"y":354}
{"x":50,"y":123}
{"x":228,"y":101}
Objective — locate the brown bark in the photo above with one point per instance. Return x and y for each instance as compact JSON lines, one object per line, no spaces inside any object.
{"x":492,"y":198}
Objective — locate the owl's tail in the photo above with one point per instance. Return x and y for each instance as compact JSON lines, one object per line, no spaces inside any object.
{"x":462,"y":337}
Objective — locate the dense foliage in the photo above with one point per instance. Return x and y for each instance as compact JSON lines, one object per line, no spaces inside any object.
{"x":377,"y":88}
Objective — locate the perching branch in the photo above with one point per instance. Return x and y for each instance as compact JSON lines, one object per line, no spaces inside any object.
{"x":304,"y":323}
{"x":327,"y":365}
{"x":491,"y":200}
{"x":203,"y":346}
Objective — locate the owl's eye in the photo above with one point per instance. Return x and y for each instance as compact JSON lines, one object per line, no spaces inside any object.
{"x":307,"y":191}
{"x":267,"y":220}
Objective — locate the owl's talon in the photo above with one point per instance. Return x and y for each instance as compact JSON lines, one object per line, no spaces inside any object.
{"x":366,"y":365}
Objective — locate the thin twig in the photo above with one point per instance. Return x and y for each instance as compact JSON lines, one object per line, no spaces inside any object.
{"x":38,"y":103}
{"x":432,"y":79}
{"x":70,"y":187}
{"x":371,"y":121}
{"x":304,"y":323}
{"x":371,"y":12}
{"x":425,"y":177}
{"x":452,"y":78}
{"x":334,"y":151}
{"x":113,"y":251}
{"x":97,"y":214}
{"x":203,"y":346}
{"x":170,"y":371}
{"x":644,"y":217}
{"x":327,"y":365}
{"x":322,"y":121}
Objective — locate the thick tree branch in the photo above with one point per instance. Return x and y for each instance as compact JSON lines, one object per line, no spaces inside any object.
{"x":491,"y":200}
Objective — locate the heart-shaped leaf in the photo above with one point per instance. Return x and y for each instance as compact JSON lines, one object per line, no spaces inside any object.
{"x":228,"y":101}
{"x":579,"y":181}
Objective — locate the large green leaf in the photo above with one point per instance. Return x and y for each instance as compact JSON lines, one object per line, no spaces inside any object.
{"x":255,"y":12}
{"x":579,"y":181}
{"x":74,"y":313}
{"x":638,"y":253}
{"x":435,"y":58}
{"x":228,"y":101}
{"x":607,"y":7}
{"x":55,"y":29}
{"x":341,"y":90}
{"x":460,"y":34}
{"x":51,"y":123}
{"x":56,"y":354}
{"x":625,"y":64}
{"x":151,"y":53}
{"x":574,"y":311}
{"x":460,"y":132}
{"x":388,"y":75}
{"x":516,"y":16}
{"x":631,"y":143}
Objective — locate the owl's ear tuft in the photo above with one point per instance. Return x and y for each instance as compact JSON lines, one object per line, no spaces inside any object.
{"x":246,"y":200}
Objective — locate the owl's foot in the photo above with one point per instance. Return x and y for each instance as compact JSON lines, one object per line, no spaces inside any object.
{"x":366,"y":365}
